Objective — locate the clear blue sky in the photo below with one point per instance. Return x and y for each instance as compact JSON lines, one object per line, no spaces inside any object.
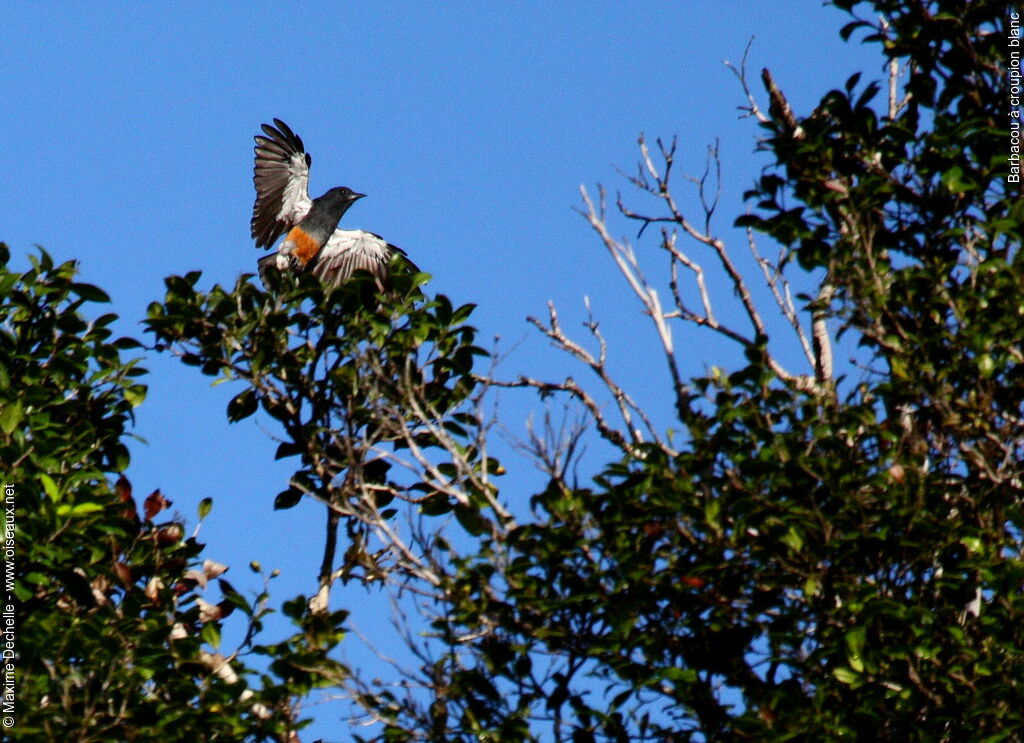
{"x":127,"y":145}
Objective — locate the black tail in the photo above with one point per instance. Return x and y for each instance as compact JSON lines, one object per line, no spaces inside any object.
{"x":265,"y":264}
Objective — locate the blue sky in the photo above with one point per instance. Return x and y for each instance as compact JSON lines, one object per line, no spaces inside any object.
{"x":127,"y":145}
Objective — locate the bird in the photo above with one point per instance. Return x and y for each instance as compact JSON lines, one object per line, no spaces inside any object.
{"x":312,"y":240}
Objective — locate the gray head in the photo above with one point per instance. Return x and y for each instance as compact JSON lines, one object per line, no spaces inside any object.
{"x":327,"y":210}
{"x":339,"y":197}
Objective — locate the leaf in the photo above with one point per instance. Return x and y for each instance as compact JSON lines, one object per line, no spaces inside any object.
{"x":170,"y":535}
{"x":793,"y":540}
{"x":855,"y":641}
{"x":470,"y":519}
{"x":123,"y":489}
{"x":986,"y":366}
{"x":435,"y":505}
{"x":81,"y":509}
{"x":712,"y":511}
{"x":90,"y":293}
{"x":135,"y":394}
{"x":52,"y":491}
{"x":287,"y":449}
{"x":848,"y":677}
{"x":953,"y":179}
{"x":226,"y":588}
{"x":10,"y":416}
{"x":973,"y":544}
{"x":462,"y":313}
{"x":210,"y":633}
{"x":205,"y":505}
{"x":287,"y":499}
{"x":242,"y":405}
{"x":155,"y":502}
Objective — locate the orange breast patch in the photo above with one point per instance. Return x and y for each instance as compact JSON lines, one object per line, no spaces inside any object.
{"x":304,"y":247}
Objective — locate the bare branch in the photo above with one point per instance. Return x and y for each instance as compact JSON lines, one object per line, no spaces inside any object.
{"x":596,"y":219}
{"x":626,"y":260}
{"x":628,"y":409}
{"x":319,"y":603}
{"x":780,"y":289}
{"x":895,"y":104}
{"x":555,"y":449}
{"x":679,"y":257}
{"x":741,"y":74}
{"x":571,"y":387}
{"x":819,"y":330}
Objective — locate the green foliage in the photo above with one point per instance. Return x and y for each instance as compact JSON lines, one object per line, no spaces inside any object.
{"x":916,"y":557}
{"x":107,"y":603}
{"x":814,"y":562}
{"x":817,"y":565}
{"x":349,"y":375}
{"x":72,"y":354}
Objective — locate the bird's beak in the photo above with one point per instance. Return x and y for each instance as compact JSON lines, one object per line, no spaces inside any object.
{"x":356,"y":196}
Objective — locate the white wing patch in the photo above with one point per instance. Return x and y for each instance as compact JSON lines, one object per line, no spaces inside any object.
{"x":295,"y":201}
{"x":351,"y":250}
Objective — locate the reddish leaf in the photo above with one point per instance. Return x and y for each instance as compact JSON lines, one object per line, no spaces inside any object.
{"x":226,"y":608}
{"x":194,"y":578}
{"x":155,"y":503}
{"x":653,"y":529}
{"x":213,"y":569}
{"x":153,"y":589}
{"x":123,"y":488}
{"x":208,"y":612}
{"x":169,"y":535}
{"x":123,"y":573}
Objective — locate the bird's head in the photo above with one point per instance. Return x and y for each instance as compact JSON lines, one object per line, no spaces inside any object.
{"x":342,"y":195}
{"x":333,"y":204}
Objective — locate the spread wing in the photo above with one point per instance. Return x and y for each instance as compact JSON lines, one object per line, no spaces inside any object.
{"x":351,"y":250}
{"x":281,"y":177}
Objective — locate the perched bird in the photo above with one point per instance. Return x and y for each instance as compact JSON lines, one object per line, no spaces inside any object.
{"x":312,"y":239}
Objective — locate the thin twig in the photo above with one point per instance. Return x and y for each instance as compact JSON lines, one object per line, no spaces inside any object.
{"x":741,"y":74}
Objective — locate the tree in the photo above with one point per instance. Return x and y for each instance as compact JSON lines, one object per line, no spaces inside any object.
{"x":824,"y":553}
{"x":113,"y":634}
{"x":820,"y":555}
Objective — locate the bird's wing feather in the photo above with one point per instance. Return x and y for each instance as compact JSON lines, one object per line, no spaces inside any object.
{"x":281,"y":177}
{"x":351,"y":250}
